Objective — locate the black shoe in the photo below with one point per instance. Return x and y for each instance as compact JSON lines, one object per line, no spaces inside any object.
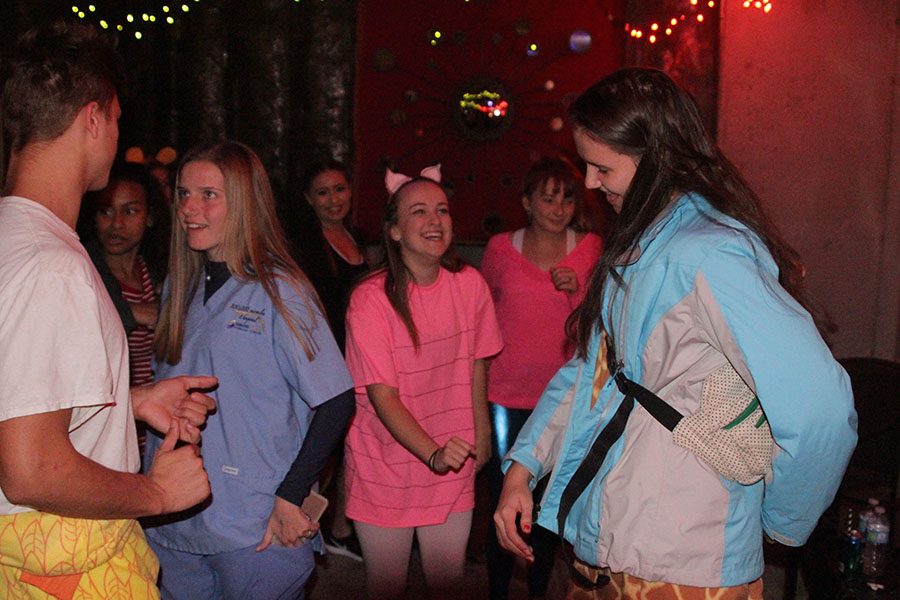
{"x":345,"y":546}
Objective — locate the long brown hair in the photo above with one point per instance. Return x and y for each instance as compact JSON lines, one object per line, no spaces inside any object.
{"x":643,"y":113}
{"x":398,"y":276}
{"x":254,"y":249}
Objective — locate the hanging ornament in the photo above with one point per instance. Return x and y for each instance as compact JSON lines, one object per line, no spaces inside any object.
{"x":384,"y":60}
{"x":580,"y":41}
{"x":523,"y":27}
{"x":398,"y":117}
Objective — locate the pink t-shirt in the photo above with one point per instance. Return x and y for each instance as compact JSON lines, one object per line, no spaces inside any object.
{"x":386,"y":484}
{"x":532,"y":315}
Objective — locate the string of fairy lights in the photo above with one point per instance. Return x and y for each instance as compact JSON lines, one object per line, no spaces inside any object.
{"x":169,"y":13}
{"x":138,"y":21}
{"x":134,"y":22}
{"x":764,"y":5}
{"x":698,"y":10}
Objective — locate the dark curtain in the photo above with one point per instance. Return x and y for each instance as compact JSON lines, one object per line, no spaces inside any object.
{"x":274,"y":74}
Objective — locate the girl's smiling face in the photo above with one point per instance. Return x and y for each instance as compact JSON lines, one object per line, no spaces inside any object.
{"x":203,"y":207}
{"x":550,"y":209}
{"x":329,"y":197}
{"x":424,"y":229}
{"x":607,"y":169}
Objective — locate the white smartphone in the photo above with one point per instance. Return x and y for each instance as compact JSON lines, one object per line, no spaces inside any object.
{"x":314,"y":505}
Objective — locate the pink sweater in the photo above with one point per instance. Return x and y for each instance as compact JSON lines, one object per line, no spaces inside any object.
{"x":532,"y":316}
{"x":386,"y":484}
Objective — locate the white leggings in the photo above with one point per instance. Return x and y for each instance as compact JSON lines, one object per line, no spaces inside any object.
{"x":442,"y":547}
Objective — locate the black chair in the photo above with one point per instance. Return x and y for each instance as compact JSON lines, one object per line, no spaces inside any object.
{"x":875,"y":463}
{"x":874,"y":469}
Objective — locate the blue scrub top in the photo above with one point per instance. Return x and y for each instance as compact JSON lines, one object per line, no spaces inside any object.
{"x":267,"y":390}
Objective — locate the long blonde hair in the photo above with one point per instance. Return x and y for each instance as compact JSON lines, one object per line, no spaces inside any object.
{"x":253,"y":246}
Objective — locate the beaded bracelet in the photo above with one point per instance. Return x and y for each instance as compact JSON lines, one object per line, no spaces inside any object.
{"x":431,"y":459}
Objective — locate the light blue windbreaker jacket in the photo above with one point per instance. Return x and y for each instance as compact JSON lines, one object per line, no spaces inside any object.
{"x":702,"y":291}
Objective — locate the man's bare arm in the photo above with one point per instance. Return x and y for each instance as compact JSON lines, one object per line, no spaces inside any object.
{"x":41,"y":469}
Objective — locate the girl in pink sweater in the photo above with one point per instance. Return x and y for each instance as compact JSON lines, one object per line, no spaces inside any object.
{"x":419,"y":331}
{"x":537,"y":276}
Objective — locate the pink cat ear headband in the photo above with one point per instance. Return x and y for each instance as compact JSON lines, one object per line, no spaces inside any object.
{"x":393,"y":181}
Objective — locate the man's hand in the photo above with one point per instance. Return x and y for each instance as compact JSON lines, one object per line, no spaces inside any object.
{"x":178,"y":474}
{"x":288,"y":525}
{"x":177,"y":398}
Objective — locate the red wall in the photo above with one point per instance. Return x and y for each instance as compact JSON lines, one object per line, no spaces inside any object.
{"x":405,"y":106}
{"x":809,"y":111}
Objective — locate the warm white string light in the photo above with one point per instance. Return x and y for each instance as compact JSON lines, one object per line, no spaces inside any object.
{"x":168,"y":13}
{"x":763,"y":5}
{"x":658,"y":30}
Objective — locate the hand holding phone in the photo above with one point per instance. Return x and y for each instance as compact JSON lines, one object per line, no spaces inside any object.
{"x":291,"y":525}
{"x":314,"y":506}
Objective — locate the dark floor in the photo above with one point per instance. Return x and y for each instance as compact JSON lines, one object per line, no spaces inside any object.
{"x":339,"y":578}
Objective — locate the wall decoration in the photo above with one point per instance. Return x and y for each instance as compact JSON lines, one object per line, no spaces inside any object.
{"x":681,"y":37}
{"x":580,"y":41}
{"x":481,"y":86}
{"x":764,"y":5}
{"x":484,"y":115}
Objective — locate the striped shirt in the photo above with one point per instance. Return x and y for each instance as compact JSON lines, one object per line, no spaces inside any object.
{"x":140,"y":342}
{"x":387,"y":485}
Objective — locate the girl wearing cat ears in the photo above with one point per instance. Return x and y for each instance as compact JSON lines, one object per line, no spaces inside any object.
{"x":419,"y":331}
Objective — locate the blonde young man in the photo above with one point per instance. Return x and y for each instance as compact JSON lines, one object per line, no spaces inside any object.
{"x":69,"y":492}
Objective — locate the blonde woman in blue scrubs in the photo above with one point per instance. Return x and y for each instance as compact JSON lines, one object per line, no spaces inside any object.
{"x":236,"y":305}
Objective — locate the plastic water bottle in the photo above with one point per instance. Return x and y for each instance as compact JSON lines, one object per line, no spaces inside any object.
{"x":850,"y":556}
{"x":865,"y":515}
{"x":876,"y":552}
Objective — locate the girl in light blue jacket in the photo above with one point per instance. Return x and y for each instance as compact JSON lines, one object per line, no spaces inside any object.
{"x":694,"y":282}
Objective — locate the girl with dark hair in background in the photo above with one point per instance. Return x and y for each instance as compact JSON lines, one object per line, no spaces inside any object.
{"x":333,"y":258}
{"x":419,"y":332}
{"x":130,"y":251}
{"x":694,"y":289}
